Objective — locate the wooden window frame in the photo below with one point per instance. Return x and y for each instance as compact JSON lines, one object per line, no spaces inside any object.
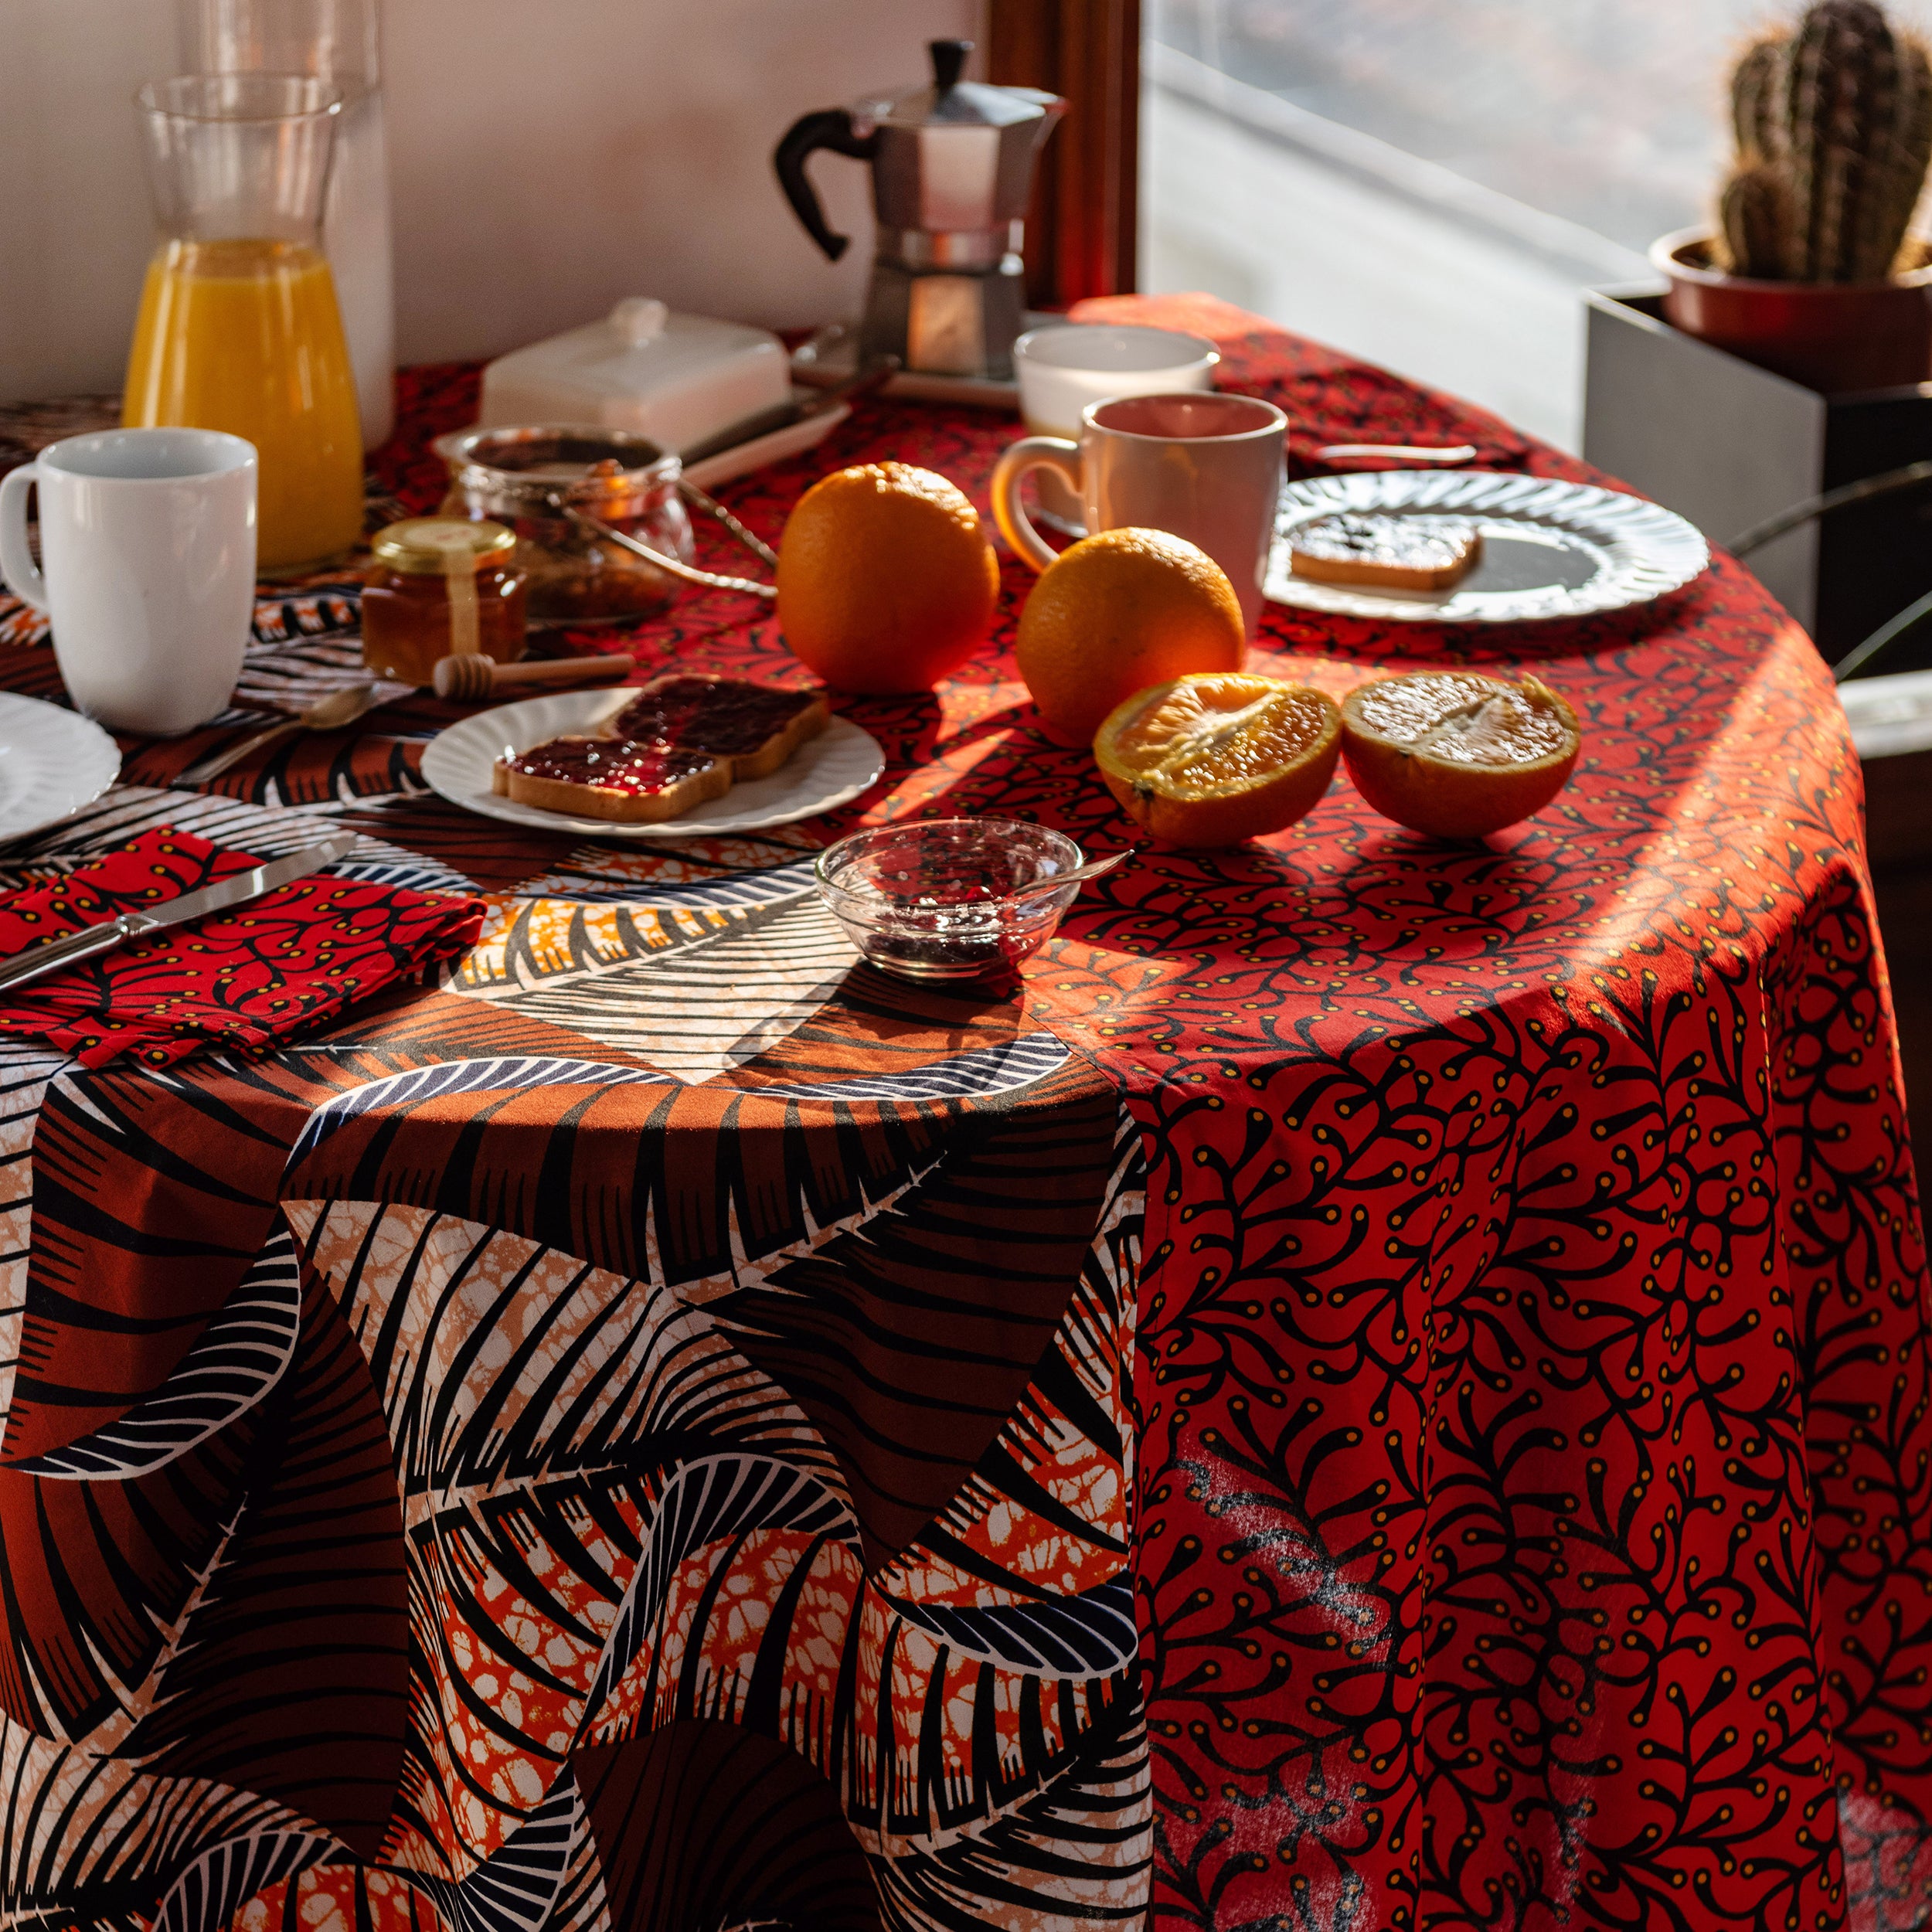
{"x":1081,"y":232}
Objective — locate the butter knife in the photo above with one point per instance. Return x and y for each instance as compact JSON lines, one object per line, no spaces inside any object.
{"x":106,"y":934}
{"x":875,"y":375}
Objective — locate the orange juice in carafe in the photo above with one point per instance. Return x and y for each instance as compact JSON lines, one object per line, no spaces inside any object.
{"x":245,"y":336}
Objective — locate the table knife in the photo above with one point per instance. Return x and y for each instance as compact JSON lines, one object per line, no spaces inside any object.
{"x":106,"y":934}
{"x":862,"y":381}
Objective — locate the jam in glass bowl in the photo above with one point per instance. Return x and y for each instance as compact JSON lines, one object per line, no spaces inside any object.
{"x":933,"y":898}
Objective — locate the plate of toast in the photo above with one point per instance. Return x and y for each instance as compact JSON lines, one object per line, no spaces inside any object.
{"x":1470,"y":546}
{"x":687,"y":756}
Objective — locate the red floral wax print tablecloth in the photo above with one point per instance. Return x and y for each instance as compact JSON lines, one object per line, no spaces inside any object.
{"x":659,"y":1429}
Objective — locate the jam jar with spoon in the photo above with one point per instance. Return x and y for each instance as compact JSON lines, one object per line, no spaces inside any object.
{"x":443,"y":586}
{"x":531,"y":480}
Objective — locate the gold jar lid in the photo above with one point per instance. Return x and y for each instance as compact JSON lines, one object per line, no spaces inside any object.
{"x":429,"y":546}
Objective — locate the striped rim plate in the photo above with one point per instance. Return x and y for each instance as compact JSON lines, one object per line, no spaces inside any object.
{"x":1550,"y":550}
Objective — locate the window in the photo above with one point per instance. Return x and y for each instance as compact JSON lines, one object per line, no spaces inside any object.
{"x":1428,"y":183}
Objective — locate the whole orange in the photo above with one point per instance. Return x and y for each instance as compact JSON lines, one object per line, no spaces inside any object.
{"x":1116,"y":613}
{"x":886,"y":580}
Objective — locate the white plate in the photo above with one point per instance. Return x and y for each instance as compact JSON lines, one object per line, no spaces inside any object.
{"x":1550,"y":550}
{"x":742,"y":458}
{"x":52,"y":761}
{"x":830,"y":770}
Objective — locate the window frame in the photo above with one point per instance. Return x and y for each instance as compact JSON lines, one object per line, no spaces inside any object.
{"x":1082,"y":229}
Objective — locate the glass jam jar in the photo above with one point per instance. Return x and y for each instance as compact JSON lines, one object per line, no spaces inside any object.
{"x":444,"y":586}
{"x":531,"y":479}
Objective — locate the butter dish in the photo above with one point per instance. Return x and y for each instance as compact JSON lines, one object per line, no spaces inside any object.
{"x":673,"y":378}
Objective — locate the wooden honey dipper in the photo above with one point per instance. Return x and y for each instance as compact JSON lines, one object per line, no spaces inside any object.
{"x":470,"y":675}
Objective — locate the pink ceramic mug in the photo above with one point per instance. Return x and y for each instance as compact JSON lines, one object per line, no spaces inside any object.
{"x":1204,"y":466}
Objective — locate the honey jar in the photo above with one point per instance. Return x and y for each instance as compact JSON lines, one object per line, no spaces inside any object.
{"x":444,"y":586}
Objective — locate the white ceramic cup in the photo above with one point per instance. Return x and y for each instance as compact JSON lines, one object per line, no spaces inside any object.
{"x":147,"y":543}
{"x":1064,"y":366}
{"x":1207,"y":467}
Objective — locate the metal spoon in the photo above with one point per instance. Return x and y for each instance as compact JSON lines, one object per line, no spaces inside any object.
{"x":329,"y":712}
{"x":1092,"y":869}
{"x":1446,"y":454}
{"x":670,"y":566}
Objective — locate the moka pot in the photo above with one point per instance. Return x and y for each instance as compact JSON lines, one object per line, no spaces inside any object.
{"x":952,"y":169}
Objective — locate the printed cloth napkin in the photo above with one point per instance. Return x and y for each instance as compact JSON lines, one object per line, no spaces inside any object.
{"x":241,"y":979}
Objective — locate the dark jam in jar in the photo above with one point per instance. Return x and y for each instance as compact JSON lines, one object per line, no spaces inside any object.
{"x":443,"y":586}
{"x":533,"y":478}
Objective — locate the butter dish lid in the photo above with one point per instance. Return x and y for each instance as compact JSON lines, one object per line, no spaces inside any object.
{"x":645,"y":367}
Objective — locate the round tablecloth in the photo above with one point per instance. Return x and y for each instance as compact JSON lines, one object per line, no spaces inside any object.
{"x":661,"y":1429}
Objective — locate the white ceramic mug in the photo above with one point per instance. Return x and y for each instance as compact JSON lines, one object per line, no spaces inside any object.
{"x":1205,"y":467}
{"x":1064,"y":366}
{"x":147,"y":543}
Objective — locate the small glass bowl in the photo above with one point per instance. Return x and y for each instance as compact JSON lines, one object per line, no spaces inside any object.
{"x":932,"y":898}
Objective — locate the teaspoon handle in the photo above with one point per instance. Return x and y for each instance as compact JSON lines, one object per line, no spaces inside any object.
{"x":1074,"y":876}
{"x":221,"y":761}
{"x":1446,"y":454}
{"x":671,"y":566}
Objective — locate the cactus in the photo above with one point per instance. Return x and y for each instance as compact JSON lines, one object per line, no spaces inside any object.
{"x":1755,"y":211}
{"x":1757,"y":87}
{"x":1842,"y":93}
{"x":1912,"y":151}
{"x":1833,"y":124}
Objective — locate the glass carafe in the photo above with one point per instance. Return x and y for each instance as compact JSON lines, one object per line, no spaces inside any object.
{"x":338,"y":42}
{"x":239,"y":328}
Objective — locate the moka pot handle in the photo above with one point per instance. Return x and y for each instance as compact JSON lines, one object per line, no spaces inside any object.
{"x":828,"y":127}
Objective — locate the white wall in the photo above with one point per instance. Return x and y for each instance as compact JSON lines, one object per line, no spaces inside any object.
{"x":547,"y":156}
{"x":74,"y":224}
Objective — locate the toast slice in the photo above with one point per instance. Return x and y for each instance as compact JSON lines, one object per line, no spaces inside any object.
{"x":683,"y":740}
{"x":1390,"y":553}
{"x":612,"y":777}
{"x":754,"y":725}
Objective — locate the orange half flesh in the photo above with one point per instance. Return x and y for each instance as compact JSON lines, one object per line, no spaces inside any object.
{"x":1455,"y":754}
{"x":1219,"y":757}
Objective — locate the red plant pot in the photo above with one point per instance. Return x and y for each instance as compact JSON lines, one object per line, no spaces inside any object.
{"x":1833,"y":337}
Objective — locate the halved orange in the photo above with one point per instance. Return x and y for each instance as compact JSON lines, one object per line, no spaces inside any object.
{"x":1455,"y":754}
{"x":1218,"y":757}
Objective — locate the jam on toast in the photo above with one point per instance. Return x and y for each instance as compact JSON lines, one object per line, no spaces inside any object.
{"x":612,"y":777}
{"x":754,"y":726}
{"x":681,"y":742}
{"x":1391,"y":552}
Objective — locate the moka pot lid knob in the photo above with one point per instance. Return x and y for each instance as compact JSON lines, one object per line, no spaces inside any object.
{"x":953,"y":102}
